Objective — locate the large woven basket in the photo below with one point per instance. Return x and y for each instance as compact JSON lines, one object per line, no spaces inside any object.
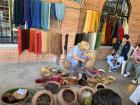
{"x":12,"y":91}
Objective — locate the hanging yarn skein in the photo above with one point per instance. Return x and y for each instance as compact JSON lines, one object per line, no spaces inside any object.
{"x":45,"y":15}
{"x":60,"y":12}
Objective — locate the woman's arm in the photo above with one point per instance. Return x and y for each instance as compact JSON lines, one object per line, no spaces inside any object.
{"x":78,"y":58}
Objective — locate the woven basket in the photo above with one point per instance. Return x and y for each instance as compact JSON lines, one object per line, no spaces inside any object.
{"x":11,"y":91}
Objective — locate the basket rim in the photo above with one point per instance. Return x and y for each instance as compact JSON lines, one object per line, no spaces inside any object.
{"x":14,"y":89}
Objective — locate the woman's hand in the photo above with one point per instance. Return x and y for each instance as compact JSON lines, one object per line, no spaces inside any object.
{"x":83,"y":60}
{"x":79,"y":59}
{"x":137,"y":61}
{"x":113,"y":51}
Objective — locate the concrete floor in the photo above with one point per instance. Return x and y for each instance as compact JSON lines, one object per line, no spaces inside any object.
{"x":23,"y":75}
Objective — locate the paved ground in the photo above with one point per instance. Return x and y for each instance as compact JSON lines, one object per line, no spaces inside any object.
{"x":23,"y":75}
{"x":121,"y":85}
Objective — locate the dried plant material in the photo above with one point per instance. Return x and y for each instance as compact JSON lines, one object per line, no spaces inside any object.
{"x":131,"y":88}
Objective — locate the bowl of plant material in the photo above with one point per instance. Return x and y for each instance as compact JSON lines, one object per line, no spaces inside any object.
{"x":67,"y":96}
{"x":14,"y":96}
{"x":43,"y":97}
{"x":85,"y":94}
{"x":52,"y":86}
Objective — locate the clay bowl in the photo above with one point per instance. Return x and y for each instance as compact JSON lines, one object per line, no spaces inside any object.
{"x":100,"y":86}
{"x":49,"y":83}
{"x":41,"y":80}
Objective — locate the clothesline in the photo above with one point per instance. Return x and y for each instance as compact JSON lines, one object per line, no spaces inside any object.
{"x":88,"y":9}
{"x":78,"y":8}
{"x":55,"y":1}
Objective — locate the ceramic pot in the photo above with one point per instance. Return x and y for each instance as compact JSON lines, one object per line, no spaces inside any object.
{"x":80,"y":91}
{"x":40,"y":93}
{"x":51,"y":88}
{"x":67,"y":96}
{"x":100,"y":86}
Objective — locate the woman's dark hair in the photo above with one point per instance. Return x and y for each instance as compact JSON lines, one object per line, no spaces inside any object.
{"x":106,"y":97}
{"x":139,"y":45}
{"x":138,"y":103}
